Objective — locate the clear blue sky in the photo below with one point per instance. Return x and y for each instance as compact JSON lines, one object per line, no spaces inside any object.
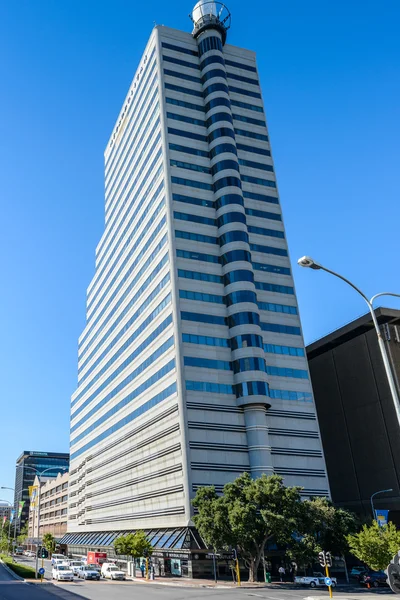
{"x":331,"y":82}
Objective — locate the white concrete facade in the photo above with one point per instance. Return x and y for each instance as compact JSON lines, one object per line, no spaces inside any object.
{"x":191,"y":367}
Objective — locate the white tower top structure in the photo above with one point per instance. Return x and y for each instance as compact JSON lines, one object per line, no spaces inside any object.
{"x":207,"y":15}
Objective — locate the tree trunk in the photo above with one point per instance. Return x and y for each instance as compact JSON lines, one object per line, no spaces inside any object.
{"x":253,"y":568}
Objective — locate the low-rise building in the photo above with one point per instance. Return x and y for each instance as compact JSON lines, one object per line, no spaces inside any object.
{"x":51,"y":506}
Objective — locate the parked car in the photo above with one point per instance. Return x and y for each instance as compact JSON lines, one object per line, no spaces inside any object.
{"x":57,"y":557}
{"x":111,"y":571}
{"x":62,"y":573}
{"x":30,"y":553}
{"x":19,"y":550}
{"x":75,"y":565}
{"x":314,"y":581}
{"x":86,"y":572}
{"x":95,"y":566}
{"x":374,"y":578}
{"x":357,"y":572}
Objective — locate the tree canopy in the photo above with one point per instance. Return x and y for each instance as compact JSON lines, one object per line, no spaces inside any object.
{"x":49,"y":542}
{"x":375,"y":545}
{"x":252,"y":511}
{"x":133,"y":544}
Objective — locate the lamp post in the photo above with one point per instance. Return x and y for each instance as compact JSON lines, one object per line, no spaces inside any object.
{"x":9,"y":527}
{"x":307,"y":261}
{"x":372,"y":500}
{"x":39,"y":475}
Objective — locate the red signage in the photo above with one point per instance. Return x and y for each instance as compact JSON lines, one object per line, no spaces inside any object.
{"x":96,"y":557}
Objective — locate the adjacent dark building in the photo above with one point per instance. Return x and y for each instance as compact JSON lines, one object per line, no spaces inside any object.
{"x":30,"y":464}
{"x":358,"y":423}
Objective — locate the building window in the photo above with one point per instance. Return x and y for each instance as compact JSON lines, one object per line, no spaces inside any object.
{"x":188,"y":134}
{"x":194,"y":218}
{"x":183,"y":90}
{"x":271,"y":268}
{"x":182,"y":63}
{"x":184,"y":104}
{"x":268,"y":250}
{"x":244,"y":92}
{"x":247,"y":106}
{"x":206,"y":363}
{"x":215,"y":58}
{"x":188,"y":150}
{"x":277,"y":328}
{"x":182,"y":75}
{"x":185,"y":119}
{"x":231,"y":63}
{"x":251,"y":134}
{"x":241,"y":296}
{"x":273,"y":287}
{"x":197,"y":256}
{"x":252,"y":212}
{"x":210,"y":43}
{"x":180,"y":49}
{"x":220,"y":132}
{"x":197,"y":237}
{"x":200,"y":318}
{"x":235,"y":255}
{"x":190,"y":338}
{"x":189,"y":166}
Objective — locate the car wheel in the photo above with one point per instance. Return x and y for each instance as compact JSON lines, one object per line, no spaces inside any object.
{"x":376,"y":584}
{"x":313,"y":584}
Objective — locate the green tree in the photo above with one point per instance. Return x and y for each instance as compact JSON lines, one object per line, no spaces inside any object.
{"x":375,"y":545}
{"x":134,"y":545}
{"x":23,"y":534}
{"x":49,"y":542}
{"x":322,"y":526}
{"x":248,"y":514}
{"x":5,"y":537}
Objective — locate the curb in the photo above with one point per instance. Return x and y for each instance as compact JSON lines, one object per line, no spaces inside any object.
{"x":11,"y":572}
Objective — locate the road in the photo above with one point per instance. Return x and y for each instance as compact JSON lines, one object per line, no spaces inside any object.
{"x":10,"y":589}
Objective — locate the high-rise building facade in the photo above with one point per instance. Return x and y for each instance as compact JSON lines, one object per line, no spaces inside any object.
{"x":191,"y":366}
{"x":30,"y":464}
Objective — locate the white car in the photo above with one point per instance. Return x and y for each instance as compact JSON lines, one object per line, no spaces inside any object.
{"x":62,"y":573}
{"x":314,"y":581}
{"x":74,"y":565}
{"x":56,"y":557}
{"x":111,"y":571}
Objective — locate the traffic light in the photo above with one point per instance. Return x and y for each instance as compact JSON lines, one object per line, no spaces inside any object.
{"x":321,"y":559}
{"x":43,"y":553}
{"x":328,"y":559}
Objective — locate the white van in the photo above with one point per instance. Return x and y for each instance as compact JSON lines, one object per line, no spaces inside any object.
{"x":111,"y":571}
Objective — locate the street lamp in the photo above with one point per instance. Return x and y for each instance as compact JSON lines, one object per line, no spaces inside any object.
{"x":39,"y":475}
{"x":307,"y":261}
{"x":372,"y":500}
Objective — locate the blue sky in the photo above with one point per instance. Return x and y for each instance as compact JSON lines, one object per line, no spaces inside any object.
{"x":331,"y":83}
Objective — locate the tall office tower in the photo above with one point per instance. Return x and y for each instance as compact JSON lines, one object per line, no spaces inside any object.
{"x":28,"y":465}
{"x":192,"y":367}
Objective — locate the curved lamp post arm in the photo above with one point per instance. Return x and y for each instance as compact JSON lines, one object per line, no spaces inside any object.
{"x":346,"y":281}
{"x":383,"y":294}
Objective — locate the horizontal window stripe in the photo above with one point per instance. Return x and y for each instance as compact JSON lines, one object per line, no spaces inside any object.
{"x":241,"y":78}
{"x":271,"y":268}
{"x":247,"y":106}
{"x":196,"y":275}
{"x":267,"y":232}
{"x":282,"y":308}
{"x":186,"y":119}
{"x":252,"y":212}
{"x":232,"y":63}
{"x":268,"y":250}
{"x":133,"y":356}
{"x":215,"y":87}
{"x":286,"y":372}
{"x":129,"y":418}
{"x":205,"y":386}
{"x":190,"y":338}
{"x":221,"y":101}
{"x":251,"y":134}
{"x":197,"y":256}
{"x":179,"y":49}
{"x":255,"y":165}
{"x":122,"y":403}
{"x":220,"y":132}
{"x":188,"y":134}
{"x":273,"y":287}
{"x":201,"y":296}
{"x":187,"y":150}
{"x":202,"y":318}
{"x":182,"y":76}
{"x":182,"y":63}
{"x":290,"y":395}
{"x":194,"y":218}
{"x":214,"y":58}
{"x":210,"y":43}
{"x":194,"y":201}
{"x":211,"y":74}
{"x":278,"y":328}
{"x":190,"y":166}
{"x":260,"y":197}
{"x":244,"y":92}
{"x":191,"y":183}
{"x":250,"y":120}
{"x":258,"y":181}
{"x":253,"y":149}
{"x":197,"y":237}
{"x":287,"y":350}
{"x":183,"y":90}
{"x":184,"y":104}
{"x":206,"y":363}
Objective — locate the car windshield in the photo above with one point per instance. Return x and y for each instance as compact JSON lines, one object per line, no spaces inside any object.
{"x":89,"y":568}
{"x":114,"y":568}
{"x":62,"y":568}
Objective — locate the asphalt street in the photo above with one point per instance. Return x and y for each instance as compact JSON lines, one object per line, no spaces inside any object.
{"x":11,"y":589}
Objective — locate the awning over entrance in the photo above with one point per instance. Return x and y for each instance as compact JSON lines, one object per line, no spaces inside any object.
{"x":182,"y":538}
